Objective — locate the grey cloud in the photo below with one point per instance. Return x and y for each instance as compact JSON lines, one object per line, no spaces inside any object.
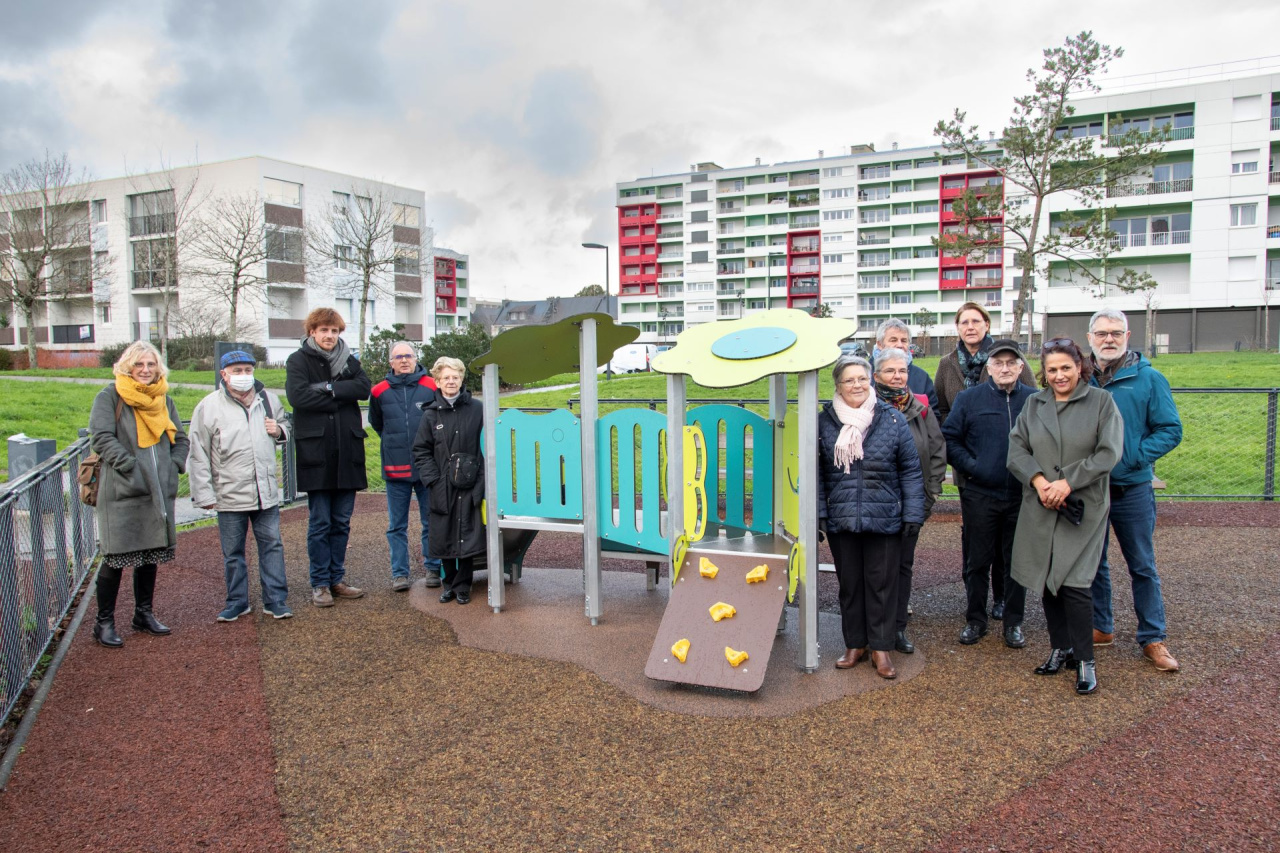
{"x":221,"y":20}
{"x":229,"y":91}
{"x":30,"y":26}
{"x":336,"y":53}
{"x":447,"y":211}
{"x":562,"y":121}
{"x":32,"y":122}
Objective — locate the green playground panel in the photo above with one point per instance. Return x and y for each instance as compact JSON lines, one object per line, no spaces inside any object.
{"x":539,"y":471}
{"x":731,"y":488}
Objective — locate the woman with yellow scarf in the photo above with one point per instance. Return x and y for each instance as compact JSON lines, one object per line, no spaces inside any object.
{"x":136,"y":430}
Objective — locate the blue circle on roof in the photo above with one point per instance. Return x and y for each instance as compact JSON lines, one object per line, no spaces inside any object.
{"x":756,"y":342}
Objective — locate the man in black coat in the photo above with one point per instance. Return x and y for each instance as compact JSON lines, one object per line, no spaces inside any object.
{"x":977,"y":433}
{"x":324,"y":383}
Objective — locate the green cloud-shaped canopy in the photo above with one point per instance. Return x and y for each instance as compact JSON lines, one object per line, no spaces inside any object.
{"x":725,"y":354}
{"x":529,"y":353}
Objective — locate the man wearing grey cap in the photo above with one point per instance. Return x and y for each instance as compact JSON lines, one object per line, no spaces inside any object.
{"x":977,"y":433}
{"x":232,"y":469}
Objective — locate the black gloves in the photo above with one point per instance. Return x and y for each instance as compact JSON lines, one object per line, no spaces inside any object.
{"x":822,"y":531}
{"x":323,"y":387}
{"x":911,"y":529}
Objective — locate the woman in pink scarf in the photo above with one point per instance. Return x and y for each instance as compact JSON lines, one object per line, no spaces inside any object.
{"x":871,"y":496}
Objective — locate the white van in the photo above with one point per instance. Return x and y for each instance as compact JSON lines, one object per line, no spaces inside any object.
{"x":632,"y":358}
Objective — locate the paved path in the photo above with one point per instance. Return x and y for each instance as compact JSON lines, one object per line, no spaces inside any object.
{"x":374,"y":725}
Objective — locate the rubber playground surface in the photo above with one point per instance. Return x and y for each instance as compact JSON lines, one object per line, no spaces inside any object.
{"x":397,"y":723}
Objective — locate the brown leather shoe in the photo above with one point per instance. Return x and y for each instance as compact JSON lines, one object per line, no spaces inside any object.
{"x":1103,"y":638}
{"x":884,"y":666}
{"x":320,"y":597}
{"x":342,"y":590}
{"x":850,"y":658}
{"x":1160,"y":657}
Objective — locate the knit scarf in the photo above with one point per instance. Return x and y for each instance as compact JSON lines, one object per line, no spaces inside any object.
{"x":854,"y":426}
{"x":337,"y":356}
{"x":150,"y":408}
{"x":971,"y":365}
{"x":1106,"y":372}
{"x":896,"y":397}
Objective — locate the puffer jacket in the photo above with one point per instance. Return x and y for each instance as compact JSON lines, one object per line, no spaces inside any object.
{"x":456,"y":528}
{"x":883,"y":490}
{"x":395,"y":408}
{"x":232,"y":464}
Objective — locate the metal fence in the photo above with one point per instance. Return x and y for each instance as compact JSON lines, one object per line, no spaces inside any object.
{"x":1228,"y":448}
{"x":48,"y":541}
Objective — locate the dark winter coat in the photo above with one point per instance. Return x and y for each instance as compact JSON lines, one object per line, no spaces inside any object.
{"x":977,"y":433}
{"x":328,"y":430}
{"x":1151,"y":424}
{"x":138,"y":485}
{"x":930,"y":447}
{"x":456,"y":529}
{"x":883,"y":490}
{"x":949,"y":382}
{"x":395,"y":409}
{"x":1079,"y":441}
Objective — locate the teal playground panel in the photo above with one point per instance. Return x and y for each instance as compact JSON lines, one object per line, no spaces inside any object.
{"x":540,"y":464}
{"x":639,"y":435}
{"x":729,"y":428}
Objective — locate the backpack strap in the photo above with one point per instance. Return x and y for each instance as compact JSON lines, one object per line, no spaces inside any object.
{"x":266,"y":404}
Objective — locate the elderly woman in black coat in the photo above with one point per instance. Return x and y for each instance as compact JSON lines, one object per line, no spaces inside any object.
{"x":446,"y":453}
{"x":871,"y":497}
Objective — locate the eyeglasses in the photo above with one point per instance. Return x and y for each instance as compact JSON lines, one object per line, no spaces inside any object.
{"x":1012,"y":364}
{"x":401,"y":356}
{"x":1059,"y":342}
{"x":1112,"y":336}
{"x":861,"y":380}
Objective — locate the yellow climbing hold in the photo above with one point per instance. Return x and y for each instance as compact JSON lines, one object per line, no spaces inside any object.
{"x":734,"y":657}
{"x":680,"y":650}
{"x":706,"y":568}
{"x":758,"y":574}
{"x":720,"y":610}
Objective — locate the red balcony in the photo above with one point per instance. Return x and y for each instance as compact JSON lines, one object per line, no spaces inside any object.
{"x":646,"y":214}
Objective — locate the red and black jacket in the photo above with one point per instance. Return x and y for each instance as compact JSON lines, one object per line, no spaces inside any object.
{"x":395,"y":408}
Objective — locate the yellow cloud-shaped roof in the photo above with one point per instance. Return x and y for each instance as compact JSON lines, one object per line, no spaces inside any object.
{"x":728,"y":353}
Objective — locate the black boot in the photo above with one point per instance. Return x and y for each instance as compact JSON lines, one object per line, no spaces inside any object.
{"x":1086,"y":678}
{"x":144,"y":588}
{"x":104,"y":629}
{"x":1058,"y":658}
{"x":903,"y":643}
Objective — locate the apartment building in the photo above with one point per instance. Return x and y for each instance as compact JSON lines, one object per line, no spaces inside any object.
{"x":134,"y":225}
{"x":854,"y":231}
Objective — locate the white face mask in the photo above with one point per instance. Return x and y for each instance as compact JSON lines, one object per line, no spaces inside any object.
{"x":241,"y":382}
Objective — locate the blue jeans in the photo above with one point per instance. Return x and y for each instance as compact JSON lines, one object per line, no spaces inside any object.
{"x":328,"y":529}
{"x":399,"y":496}
{"x":233,"y":529}
{"x":1133,"y":520}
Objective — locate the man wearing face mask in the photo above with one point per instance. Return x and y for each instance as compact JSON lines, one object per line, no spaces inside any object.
{"x":232,"y":469}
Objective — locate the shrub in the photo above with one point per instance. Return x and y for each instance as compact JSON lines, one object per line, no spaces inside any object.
{"x":6,"y":360}
{"x":468,"y":343}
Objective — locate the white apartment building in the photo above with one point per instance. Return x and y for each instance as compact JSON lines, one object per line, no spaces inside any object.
{"x":854,"y":231}
{"x":132,"y":223}
{"x":449,"y":272}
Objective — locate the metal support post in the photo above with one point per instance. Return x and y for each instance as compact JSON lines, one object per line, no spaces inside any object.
{"x":677,"y":399}
{"x":807,"y":423}
{"x":493,"y":527}
{"x":1269,"y":478}
{"x":589,"y":414}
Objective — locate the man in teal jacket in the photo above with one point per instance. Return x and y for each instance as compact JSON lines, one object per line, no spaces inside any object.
{"x":1152,"y":428}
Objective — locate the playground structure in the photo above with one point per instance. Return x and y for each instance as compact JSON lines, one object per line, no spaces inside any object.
{"x":716,"y":482}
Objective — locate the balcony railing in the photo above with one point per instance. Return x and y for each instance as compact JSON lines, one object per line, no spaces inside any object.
{"x":1176,"y":134}
{"x":873,"y":262}
{"x":1275,"y":122}
{"x":803,"y":181}
{"x":1273,"y":232}
{"x":151,"y":223}
{"x":1159,"y":238}
{"x":804,"y":201}
{"x":1149,"y":188}
{"x":803,"y":289}
{"x":801,"y":269}
{"x":727,"y":209}
{"x":1273,"y":178}
{"x":730,"y":270}
{"x":675,"y":215}
{"x":150,"y":279}
{"x":731,"y":251}
{"x":670,"y":235}
{"x":671,"y":275}
{"x":807,"y":246}
{"x":662,"y":255}
{"x":872,"y":196}
{"x":872,"y":241}
{"x":804,"y":222}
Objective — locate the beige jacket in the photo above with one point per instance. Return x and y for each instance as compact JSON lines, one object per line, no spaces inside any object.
{"x":232,"y":464}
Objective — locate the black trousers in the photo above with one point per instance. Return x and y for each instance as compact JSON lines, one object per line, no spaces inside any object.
{"x":867,"y":568}
{"x":989,"y":525}
{"x":458,"y":573}
{"x":1070,"y":618}
{"x":906,"y":569}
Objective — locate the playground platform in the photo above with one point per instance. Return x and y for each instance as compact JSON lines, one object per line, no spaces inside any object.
{"x":397,"y":723}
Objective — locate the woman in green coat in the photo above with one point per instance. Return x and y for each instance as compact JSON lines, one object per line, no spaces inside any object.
{"x":1062,"y":449}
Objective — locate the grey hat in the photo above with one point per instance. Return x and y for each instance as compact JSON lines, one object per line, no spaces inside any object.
{"x":1004,"y":345}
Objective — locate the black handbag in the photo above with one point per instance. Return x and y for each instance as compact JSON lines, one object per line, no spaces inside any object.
{"x":1072,"y":509}
{"x":462,"y":470}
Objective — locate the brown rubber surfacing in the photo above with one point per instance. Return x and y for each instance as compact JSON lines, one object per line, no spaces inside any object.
{"x":390,"y":734}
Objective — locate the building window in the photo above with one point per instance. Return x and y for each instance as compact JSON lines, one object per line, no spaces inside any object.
{"x":406,"y":262}
{"x":406,"y":214}
{"x":284,"y":245}
{"x":1244,"y":162}
{"x":151,"y":213}
{"x":902,"y":299}
{"x":282,"y":192}
{"x":1244,"y":214}
{"x":104,"y":314}
{"x":833,"y":259}
{"x":151,"y":262}
{"x":99,"y":211}
{"x":833,"y":171}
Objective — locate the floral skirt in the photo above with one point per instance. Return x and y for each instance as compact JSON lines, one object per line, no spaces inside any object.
{"x":133,"y":559}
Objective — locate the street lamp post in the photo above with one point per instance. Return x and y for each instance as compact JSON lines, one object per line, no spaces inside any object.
{"x":608,"y":368}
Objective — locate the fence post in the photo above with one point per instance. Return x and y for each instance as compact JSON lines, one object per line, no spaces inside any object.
{"x":1269,"y":478}
{"x":11,"y":659}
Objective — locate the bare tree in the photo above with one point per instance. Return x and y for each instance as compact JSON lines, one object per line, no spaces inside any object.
{"x":227,"y":253}
{"x":359,"y":245}
{"x":1036,"y":157}
{"x":163,"y":209}
{"x":45,"y":248}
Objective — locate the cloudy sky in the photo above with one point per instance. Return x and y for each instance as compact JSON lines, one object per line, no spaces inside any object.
{"x":517,"y":118}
